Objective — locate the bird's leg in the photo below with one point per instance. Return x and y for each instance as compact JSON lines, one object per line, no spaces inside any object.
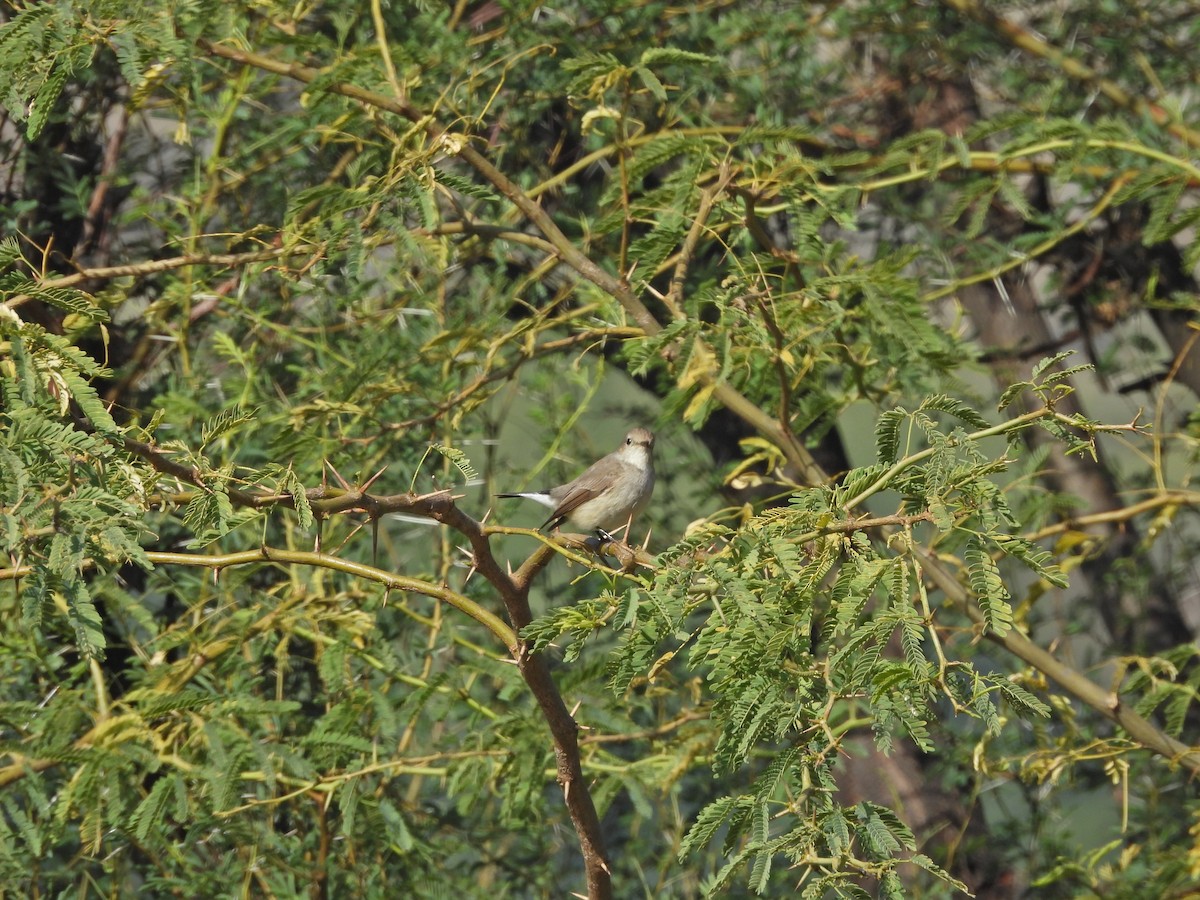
{"x":597,"y":541}
{"x":624,"y":529}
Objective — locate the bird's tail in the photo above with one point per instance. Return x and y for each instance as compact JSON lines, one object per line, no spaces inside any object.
{"x":542,"y":497}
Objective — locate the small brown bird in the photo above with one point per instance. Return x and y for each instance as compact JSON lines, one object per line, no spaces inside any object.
{"x":609,"y":494}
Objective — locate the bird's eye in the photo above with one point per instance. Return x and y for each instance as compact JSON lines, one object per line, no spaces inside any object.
{"x":628,"y":440}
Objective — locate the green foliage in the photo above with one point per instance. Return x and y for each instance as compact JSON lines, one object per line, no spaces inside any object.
{"x":458,"y":459}
{"x":237,"y":288}
{"x":70,"y":502}
{"x":791,"y":621}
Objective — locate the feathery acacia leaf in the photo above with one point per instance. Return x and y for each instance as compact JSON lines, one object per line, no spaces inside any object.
{"x":988,"y":587}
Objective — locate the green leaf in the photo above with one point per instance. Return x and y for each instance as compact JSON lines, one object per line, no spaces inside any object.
{"x":708,"y":822}
{"x":338,"y":741}
{"x":35,"y":597}
{"x":150,"y":816}
{"x":887,"y":435}
{"x":1039,"y":560}
{"x":91,"y":404}
{"x":1020,"y":699}
{"x":224,"y":422}
{"x":1048,"y":362}
{"x":44,"y":100}
{"x":650,"y":80}
{"x":10,"y":250}
{"x":304,"y":514}
{"x":68,"y":299}
{"x":664,"y":55}
{"x":877,"y":837}
{"x":858,"y":480}
{"x":989,"y":587}
{"x":152,"y":704}
{"x":23,"y":22}
{"x":119,"y":546}
{"x":835,"y":828}
{"x":957,"y":408}
{"x":210,"y":515}
{"x":66,"y":554}
{"x":332,"y":666}
{"x":464,"y":185}
{"x":651,"y":250}
{"x":82,"y":614}
{"x":459,"y":459}
{"x":657,"y":153}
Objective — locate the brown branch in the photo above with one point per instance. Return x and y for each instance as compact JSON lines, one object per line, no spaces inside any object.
{"x":579,"y":548}
{"x":666,"y":728}
{"x":708,"y":197}
{"x":108,"y":166}
{"x":537,"y":561}
{"x":535,"y":671}
{"x":441,"y":508}
{"x":101,"y":273}
{"x":515,"y":592}
{"x":875,"y":522}
{"x":474,"y":228}
{"x":1124,"y":514}
{"x":754,"y":225}
{"x":438,"y":506}
{"x":192,"y":475}
{"x":781,"y":370}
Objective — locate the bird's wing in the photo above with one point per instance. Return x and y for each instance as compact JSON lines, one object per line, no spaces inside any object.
{"x":591,"y":484}
{"x":577,"y":495}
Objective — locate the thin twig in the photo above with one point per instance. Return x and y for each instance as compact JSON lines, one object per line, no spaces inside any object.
{"x":149,"y":267}
{"x":673,"y":299}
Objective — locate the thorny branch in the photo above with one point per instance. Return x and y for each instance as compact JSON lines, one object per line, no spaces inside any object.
{"x":513,"y":590}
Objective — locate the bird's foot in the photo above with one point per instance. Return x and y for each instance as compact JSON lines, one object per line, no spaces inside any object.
{"x":598,"y":542}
